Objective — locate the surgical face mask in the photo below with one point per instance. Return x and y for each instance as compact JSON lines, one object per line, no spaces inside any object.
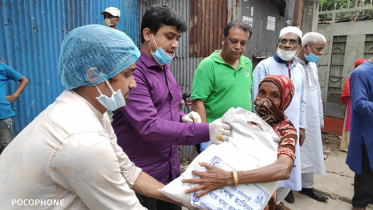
{"x":160,"y":56}
{"x":286,"y":55}
{"x":312,"y":57}
{"x":107,"y":21}
{"x":115,"y":102}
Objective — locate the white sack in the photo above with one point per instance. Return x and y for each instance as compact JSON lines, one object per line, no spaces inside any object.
{"x":248,"y":147}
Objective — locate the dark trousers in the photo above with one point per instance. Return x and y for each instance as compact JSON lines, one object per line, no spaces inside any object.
{"x":154,"y":204}
{"x":363,"y":184}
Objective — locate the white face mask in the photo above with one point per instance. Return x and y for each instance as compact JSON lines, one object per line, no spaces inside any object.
{"x":107,"y":21}
{"x":286,"y":55}
{"x":115,"y":102}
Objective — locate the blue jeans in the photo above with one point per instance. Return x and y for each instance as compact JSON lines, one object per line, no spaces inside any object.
{"x":6,"y":132}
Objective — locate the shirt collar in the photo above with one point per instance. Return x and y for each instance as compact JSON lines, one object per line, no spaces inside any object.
{"x":279,"y":60}
{"x":301,"y":61}
{"x":218,"y":59}
{"x":149,"y":62}
{"x":98,"y":114}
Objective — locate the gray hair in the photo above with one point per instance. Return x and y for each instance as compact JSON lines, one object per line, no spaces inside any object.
{"x":312,"y":37}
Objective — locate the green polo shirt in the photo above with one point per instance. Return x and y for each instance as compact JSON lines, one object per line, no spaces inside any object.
{"x":221,"y":87}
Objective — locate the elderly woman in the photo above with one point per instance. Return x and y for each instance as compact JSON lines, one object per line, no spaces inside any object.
{"x":274,"y":96}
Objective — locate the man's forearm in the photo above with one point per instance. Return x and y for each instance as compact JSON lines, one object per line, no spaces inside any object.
{"x":148,"y":186}
{"x":21,"y":86}
{"x":199,"y":107}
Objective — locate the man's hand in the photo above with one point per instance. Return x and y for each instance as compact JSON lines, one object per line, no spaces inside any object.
{"x":11,"y":98}
{"x":191,"y":117}
{"x":219,"y":131}
{"x":214,"y":178}
{"x":302,"y":136}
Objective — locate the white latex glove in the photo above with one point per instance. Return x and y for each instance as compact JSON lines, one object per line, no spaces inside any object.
{"x":219,"y":131}
{"x":191,"y":117}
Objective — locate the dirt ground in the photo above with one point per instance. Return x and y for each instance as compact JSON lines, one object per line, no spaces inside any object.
{"x":331,"y":143}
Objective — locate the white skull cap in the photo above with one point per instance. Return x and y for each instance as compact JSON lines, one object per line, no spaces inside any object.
{"x":291,"y":29}
{"x":112,"y":10}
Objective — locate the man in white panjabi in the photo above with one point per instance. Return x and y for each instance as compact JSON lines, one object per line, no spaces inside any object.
{"x":285,"y":63}
{"x":312,"y":157}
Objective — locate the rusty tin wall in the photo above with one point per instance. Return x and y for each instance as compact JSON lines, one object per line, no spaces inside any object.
{"x":30,"y":38}
{"x":207,"y":18}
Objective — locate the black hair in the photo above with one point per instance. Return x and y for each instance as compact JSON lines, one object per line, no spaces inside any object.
{"x":240,"y":25}
{"x":159,"y":15}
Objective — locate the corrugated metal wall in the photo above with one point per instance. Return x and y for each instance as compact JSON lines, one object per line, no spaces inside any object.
{"x":30,"y":38}
{"x":206,"y":20}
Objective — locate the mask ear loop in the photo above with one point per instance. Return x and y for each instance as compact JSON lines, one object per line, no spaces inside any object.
{"x":109,"y":86}
{"x":99,"y":90}
{"x":154,"y":43}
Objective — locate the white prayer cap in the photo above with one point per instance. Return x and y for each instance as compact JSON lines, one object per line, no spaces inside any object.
{"x":291,"y":29}
{"x":112,"y":10}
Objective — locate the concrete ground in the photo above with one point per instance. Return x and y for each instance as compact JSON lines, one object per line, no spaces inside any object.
{"x":337,"y":184}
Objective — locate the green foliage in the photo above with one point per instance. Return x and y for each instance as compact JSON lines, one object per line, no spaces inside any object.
{"x":329,"y":5}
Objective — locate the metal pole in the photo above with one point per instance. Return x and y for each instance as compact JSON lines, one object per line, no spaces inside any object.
{"x":289,"y":12}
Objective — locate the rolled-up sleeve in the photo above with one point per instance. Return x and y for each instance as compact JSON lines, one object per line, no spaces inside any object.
{"x":128,"y":169}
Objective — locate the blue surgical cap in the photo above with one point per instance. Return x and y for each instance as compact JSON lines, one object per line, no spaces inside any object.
{"x":92,"y":54}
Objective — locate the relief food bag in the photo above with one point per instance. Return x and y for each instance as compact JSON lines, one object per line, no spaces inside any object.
{"x":252,"y":144}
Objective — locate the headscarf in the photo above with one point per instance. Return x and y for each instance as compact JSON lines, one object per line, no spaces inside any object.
{"x":265,"y":108}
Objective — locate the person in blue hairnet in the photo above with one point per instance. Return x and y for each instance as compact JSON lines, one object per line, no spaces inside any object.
{"x":69,"y":155}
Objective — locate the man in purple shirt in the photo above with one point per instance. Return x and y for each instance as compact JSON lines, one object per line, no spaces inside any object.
{"x":151,"y":125}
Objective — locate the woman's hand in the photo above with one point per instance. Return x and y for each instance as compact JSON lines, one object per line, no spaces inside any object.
{"x":214,"y":178}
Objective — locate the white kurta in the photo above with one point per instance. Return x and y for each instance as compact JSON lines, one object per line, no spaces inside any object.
{"x":68,"y":154}
{"x":296,"y":112}
{"x":312,"y":157}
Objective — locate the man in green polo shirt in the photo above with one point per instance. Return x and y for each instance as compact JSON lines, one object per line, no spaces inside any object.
{"x":224,"y":79}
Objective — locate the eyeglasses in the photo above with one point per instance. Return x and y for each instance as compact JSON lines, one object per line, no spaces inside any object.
{"x":291,"y":42}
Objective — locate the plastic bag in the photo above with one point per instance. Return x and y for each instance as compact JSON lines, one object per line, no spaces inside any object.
{"x":250,"y":146}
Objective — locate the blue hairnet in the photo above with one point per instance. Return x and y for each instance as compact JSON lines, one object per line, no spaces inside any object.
{"x":92,"y":54}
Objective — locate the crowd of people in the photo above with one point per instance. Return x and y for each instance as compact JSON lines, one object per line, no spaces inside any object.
{"x":73,"y":151}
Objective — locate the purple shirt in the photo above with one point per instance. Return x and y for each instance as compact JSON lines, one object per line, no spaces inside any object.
{"x":149,"y":128}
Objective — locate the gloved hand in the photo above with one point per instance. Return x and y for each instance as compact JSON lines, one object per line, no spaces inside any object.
{"x":219,"y":131}
{"x":191,"y":117}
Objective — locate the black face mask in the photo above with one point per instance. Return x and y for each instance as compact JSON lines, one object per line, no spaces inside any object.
{"x":265,"y":109}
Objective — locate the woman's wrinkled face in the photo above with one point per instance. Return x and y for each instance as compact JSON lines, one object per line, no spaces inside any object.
{"x":271,"y":91}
